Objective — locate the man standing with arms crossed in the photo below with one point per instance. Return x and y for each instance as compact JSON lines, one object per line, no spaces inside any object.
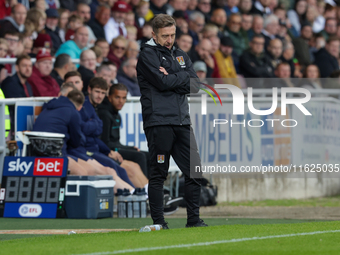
{"x":164,"y":73}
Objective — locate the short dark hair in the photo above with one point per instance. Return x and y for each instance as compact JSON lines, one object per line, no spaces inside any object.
{"x":21,"y":58}
{"x":282,"y":64}
{"x":118,"y":86}
{"x":98,"y":82}
{"x":332,"y":39}
{"x":71,"y":74}
{"x":65,"y":86}
{"x":257,"y":36}
{"x":100,"y":40}
{"x":62,"y":60}
{"x":76,"y":97}
{"x":161,"y":21}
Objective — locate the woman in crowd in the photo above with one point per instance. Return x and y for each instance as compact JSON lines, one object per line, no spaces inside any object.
{"x":62,"y":23}
{"x":38,"y":19}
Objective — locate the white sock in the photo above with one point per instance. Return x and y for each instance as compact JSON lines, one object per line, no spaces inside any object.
{"x":146,"y":188}
{"x":133,"y":190}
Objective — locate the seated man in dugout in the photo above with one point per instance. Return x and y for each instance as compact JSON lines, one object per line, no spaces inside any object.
{"x":60,"y":115}
{"x":108,"y":112}
{"x":94,"y":148}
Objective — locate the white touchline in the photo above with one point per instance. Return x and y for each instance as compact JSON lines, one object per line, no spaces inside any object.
{"x":210,"y":243}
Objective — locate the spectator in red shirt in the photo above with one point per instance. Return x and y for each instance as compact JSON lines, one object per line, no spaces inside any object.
{"x":41,"y":82}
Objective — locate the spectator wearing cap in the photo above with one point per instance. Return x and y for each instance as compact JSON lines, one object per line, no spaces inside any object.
{"x":201,"y":70}
{"x":41,"y":81}
{"x":301,"y":44}
{"x":253,"y":62}
{"x":52,"y":29}
{"x":115,"y":26}
{"x":15,"y":22}
{"x":62,"y":65}
{"x":225,"y":61}
{"x":83,"y":11}
{"x":127,"y":75}
{"x":87,"y":67}
{"x":43,"y":41}
{"x":233,"y":31}
{"x":327,"y":58}
{"x":75,"y":47}
{"x":101,"y":17}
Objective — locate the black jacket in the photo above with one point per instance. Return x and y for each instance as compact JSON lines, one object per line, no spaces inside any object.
{"x":60,"y":116}
{"x":326,"y":63}
{"x":86,"y":75}
{"x":252,"y":66}
{"x":164,"y":97}
{"x":111,"y":125}
{"x":56,"y":41}
{"x":13,"y":88}
{"x":97,"y":28}
{"x":54,"y":74}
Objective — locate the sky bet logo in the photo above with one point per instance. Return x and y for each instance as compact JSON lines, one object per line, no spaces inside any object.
{"x":40,"y":166}
{"x":239,"y":102}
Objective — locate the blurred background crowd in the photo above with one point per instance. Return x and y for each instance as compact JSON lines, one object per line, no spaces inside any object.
{"x":231,"y":39}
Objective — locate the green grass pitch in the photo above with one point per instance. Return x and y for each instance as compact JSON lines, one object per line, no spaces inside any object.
{"x":269,"y":237}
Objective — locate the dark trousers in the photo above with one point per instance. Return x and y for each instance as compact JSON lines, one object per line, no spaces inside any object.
{"x":142,"y":158}
{"x":178,"y":142}
{"x":106,"y":161}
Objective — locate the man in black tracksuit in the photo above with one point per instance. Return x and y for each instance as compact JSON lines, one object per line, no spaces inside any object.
{"x":164,"y":73}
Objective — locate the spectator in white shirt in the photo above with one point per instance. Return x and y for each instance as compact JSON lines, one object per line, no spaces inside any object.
{"x":115,"y":26}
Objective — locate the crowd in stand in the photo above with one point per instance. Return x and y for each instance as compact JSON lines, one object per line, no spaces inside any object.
{"x":225,"y":39}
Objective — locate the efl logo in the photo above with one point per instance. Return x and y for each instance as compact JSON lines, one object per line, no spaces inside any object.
{"x":30,"y":210}
{"x":48,"y":166}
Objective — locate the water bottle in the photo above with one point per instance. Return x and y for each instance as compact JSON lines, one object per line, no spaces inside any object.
{"x":143,"y":206}
{"x":150,"y":228}
{"x":128,"y":203}
{"x":136,"y":203}
{"x":121,"y":204}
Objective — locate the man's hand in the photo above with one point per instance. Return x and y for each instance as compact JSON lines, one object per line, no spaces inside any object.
{"x":116,"y":156}
{"x":136,"y":148}
{"x":162,"y":69}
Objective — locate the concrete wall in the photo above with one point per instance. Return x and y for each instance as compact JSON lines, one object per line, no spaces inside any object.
{"x":261,"y":188}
